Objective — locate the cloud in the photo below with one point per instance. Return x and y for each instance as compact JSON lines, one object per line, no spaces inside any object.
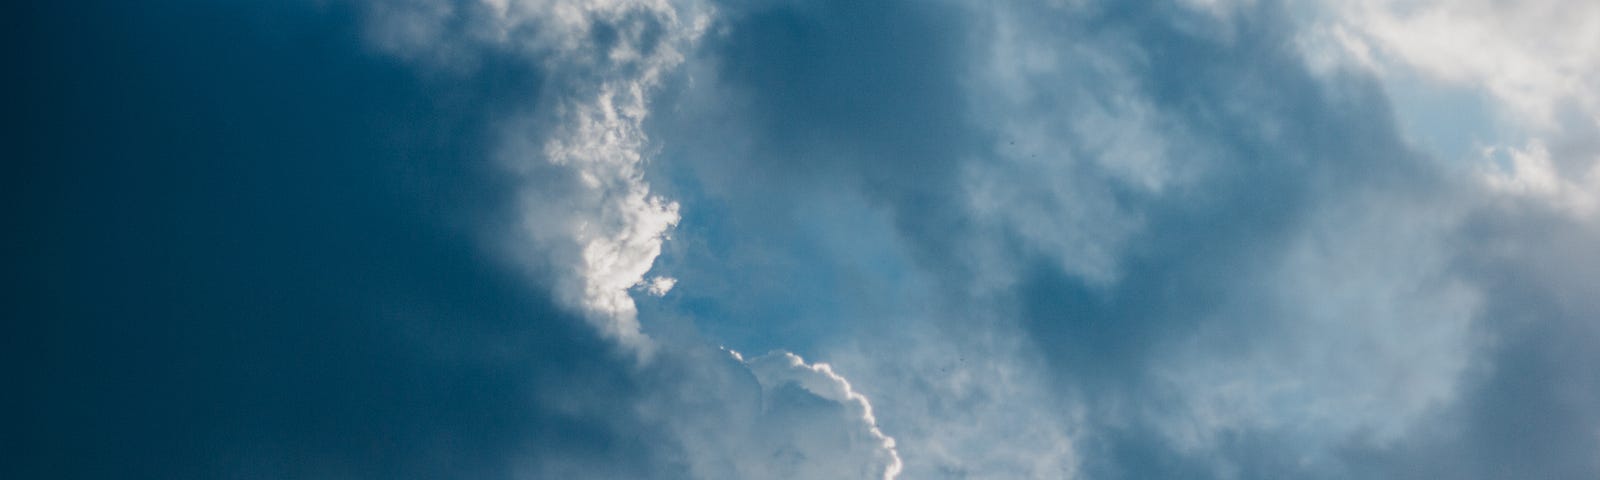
{"x":780,"y":371}
{"x":659,"y":286}
{"x":967,"y":407}
{"x":1509,"y":50}
{"x":601,"y":227}
{"x":1231,"y":261}
{"x":1508,"y":53}
{"x":261,"y":263}
{"x":1533,"y":175}
{"x":1225,"y":256}
{"x":1258,"y":289}
{"x":311,"y":295}
{"x":1045,"y":240}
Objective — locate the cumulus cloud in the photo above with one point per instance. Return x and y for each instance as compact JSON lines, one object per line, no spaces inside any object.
{"x":973,"y":406}
{"x":1535,"y":61}
{"x":710,"y":413}
{"x":601,"y":229}
{"x":1536,"y":57}
{"x":659,"y":286}
{"x":1532,"y":174}
{"x":598,"y":135}
{"x":778,"y":371}
{"x":588,"y":213}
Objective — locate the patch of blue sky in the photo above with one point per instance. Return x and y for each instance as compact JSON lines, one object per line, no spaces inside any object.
{"x":1454,"y":123}
{"x":786,"y":272}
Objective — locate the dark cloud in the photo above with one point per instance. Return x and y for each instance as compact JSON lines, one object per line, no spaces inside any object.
{"x":1530,"y":412}
{"x":249,"y":247}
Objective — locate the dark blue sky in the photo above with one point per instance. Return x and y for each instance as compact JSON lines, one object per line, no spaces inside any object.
{"x":504,"y":239}
{"x":246,"y":249}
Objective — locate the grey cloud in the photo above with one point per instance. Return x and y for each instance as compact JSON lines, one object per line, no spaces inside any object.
{"x":1234,"y":265}
{"x":1530,"y":411}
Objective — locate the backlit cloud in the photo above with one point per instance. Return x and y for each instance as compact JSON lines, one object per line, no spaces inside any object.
{"x":1224,"y":239}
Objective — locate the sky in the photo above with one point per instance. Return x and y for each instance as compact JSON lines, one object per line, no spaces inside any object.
{"x":801,"y":239}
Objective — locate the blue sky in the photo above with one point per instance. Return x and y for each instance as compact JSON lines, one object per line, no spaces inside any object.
{"x":807,"y":239}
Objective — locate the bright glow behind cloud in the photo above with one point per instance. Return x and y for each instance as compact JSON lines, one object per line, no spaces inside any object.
{"x":777,"y":368}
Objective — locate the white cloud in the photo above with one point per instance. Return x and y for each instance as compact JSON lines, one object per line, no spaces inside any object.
{"x":1536,"y":56}
{"x":972,"y":402}
{"x":659,"y":286}
{"x":772,"y":416}
{"x":1537,"y":60}
{"x":602,"y":231}
{"x":590,"y":216}
{"x":600,"y":137}
{"x":778,"y":368}
{"x":1531,"y":174}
